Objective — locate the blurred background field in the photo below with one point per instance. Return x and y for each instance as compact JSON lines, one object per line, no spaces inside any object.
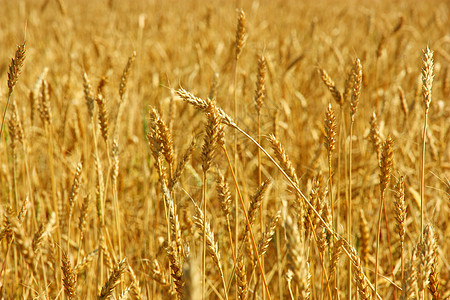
{"x":65,"y":232}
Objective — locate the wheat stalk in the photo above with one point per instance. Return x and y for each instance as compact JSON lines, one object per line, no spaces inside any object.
{"x":260,"y":94}
{"x":427,"y":83}
{"x":355,"y":95}
{"x":403,"y":104}
{"x":211,"y":245}
{"x":330,"y":145}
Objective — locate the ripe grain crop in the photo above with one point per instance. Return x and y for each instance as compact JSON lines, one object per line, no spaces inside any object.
{"x":224,"y":149}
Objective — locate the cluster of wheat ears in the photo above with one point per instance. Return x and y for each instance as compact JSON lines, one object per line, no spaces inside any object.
{"x":281,"y":150}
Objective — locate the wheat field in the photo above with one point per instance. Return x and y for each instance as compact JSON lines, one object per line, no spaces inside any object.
{"x":225,"y":149}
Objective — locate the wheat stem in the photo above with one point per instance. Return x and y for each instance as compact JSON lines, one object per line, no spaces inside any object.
{"x":248,"y":222}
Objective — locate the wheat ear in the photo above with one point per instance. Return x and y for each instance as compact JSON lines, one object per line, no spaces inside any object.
{"x":73,"y":195}
{"x":103,"y":118}
{"x":360,"y":278}
{"x":409,"y":281}
{"x":13,"y":75}
{"x":433,"y":280}
{"x":425,"y":258}
{"x":69,"y":277}
{"x":375,"y":135}
{"x":364,"y":233}
{"x":386,"y":163}
{"x":400,"y":215}
{"x":176,"y":267}
{"x":135,"y":289}
{"x":241,"y":278}
{"x":337,"y":95}
{"x":123,"y":89}
{"x":113,"y":281}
